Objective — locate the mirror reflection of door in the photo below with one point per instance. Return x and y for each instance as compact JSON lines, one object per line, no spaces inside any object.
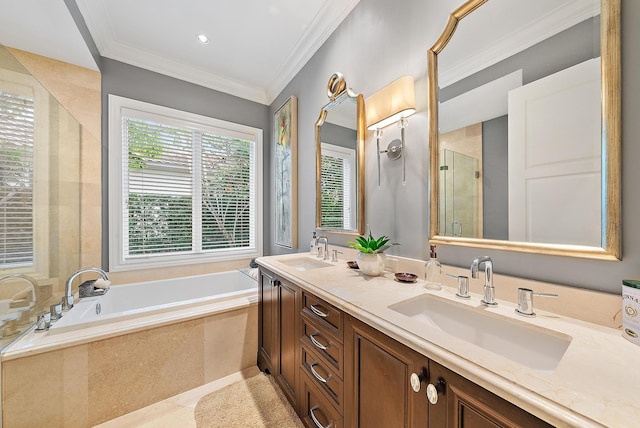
{"x":554,"y":158}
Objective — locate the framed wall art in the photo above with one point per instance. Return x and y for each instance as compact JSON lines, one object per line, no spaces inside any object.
{"x":286,"y":168}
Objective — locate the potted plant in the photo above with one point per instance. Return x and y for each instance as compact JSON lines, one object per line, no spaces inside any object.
{"x":371,"y":258}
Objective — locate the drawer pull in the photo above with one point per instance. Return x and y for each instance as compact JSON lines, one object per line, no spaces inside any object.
{"x":316,"y":343}
{"x":316,"y":375}
{"x":318,"y":312}
{"x":315,"y":420}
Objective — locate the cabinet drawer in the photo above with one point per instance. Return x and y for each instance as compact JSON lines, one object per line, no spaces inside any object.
{"x":324,"y":313}
{"x":325,"y":378}
{"x":315,"y":410}
{"x":320,"y":340}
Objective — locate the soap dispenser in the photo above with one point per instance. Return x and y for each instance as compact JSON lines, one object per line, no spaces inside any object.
{"x":313,"y":245}
{"x":433,"y":271}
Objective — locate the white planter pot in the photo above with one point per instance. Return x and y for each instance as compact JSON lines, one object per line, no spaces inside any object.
{"x":371,"y":264}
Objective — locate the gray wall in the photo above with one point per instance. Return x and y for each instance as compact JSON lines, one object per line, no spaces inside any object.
{"x":143,"y":85}
{"x":495,"y":178}
{"x":381,"y":41}
{"x":563,"y":50}
{"x":338,"y":135}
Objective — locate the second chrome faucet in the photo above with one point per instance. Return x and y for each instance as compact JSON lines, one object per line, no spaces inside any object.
{"x":489,"y":292}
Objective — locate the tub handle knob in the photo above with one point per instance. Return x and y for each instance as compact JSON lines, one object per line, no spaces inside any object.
{"x":56,"y":311}
{"x":67,"y":302}
{"x":44,"y":322}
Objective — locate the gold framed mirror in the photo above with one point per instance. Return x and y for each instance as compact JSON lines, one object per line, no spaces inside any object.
{"x":552,"y":184}
{"x":340,"y":135}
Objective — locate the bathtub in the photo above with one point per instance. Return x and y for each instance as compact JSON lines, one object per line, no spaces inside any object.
{"x":123,"y":302}
{"x":160,"y":338}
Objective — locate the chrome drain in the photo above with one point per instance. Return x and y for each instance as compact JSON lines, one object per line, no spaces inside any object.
{"x":98,"y":308}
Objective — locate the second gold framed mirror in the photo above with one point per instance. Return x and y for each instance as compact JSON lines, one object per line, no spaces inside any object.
{"x":524,"y":128}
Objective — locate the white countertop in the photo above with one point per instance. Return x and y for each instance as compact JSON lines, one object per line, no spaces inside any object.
{"x":596,"y":383}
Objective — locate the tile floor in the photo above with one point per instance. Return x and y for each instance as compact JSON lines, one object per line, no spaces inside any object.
{"x":175,"y":411}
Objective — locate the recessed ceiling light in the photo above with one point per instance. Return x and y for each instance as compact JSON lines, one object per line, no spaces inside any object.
{"x":202,"y":38}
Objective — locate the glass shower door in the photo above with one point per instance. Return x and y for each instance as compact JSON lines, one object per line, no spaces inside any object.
{"x":460,"y":189}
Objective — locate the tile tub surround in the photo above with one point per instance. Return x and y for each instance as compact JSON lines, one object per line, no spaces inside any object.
{"x":95,"y":381}
{"x":591,"y":386}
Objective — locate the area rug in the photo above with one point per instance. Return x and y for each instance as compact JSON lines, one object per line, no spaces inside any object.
{"x":256,"y":402}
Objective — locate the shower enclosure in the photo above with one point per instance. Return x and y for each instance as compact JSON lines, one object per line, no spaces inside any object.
{"x":460,"y":195}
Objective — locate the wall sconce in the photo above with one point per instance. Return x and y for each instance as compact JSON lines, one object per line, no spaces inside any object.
{"x":393,"y":103}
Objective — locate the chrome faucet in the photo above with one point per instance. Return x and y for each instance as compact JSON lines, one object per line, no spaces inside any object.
{"x":325,"y":249}
{"x":22,"y":297}
{"x":67,"y":300}
{"x":489,"y":291}
{"x":25,"y":300}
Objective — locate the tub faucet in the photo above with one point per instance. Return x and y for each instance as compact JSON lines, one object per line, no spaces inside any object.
{"x":67,"y":300}
{"x":24,"y":297}
{"x":325,"y":247}
{"x":489,"y":291}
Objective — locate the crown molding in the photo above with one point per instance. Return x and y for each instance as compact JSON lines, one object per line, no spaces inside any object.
{"x":181,"y":71}
{"x":110,"y":47}
{"x":308,"y":45}
{"x":557,"y":20}
{"x":312,"y":39}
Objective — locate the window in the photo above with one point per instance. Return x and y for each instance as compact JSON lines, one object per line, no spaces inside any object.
{"x":16,"y":179}
{"x":183,"y":187}
{"x":24,"y":175}
{"x":337,"y":184}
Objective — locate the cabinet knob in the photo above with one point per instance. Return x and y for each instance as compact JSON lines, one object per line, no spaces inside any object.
{"x":416,"y":380}
{"x":433,"y":390}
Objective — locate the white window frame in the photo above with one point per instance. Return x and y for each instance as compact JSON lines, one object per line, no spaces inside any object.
{"x":117,"y":260}
{"x":24,"y":84}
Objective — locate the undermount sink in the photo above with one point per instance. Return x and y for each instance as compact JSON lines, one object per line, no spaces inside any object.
{"x":532,"y":346}
{"x":304,"y":263}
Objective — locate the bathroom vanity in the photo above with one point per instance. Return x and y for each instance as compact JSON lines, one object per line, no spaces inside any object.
{"x":350,"y":350}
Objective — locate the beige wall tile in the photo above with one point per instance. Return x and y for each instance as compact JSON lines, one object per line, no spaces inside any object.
{"x":231,"y":342}
{"x":75,"y":384}
{"x":133,"y":371}
{"x":78,"y":89}
{"x":27,"y":385}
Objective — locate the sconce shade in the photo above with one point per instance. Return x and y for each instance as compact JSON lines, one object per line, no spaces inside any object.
{"x":391,"y":103}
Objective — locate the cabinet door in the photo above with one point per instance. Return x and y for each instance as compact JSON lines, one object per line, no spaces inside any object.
{"x":288,"y":338}
{"x":462,"y":403}
{"x":378,"y":389}
{"x":267,"y":335}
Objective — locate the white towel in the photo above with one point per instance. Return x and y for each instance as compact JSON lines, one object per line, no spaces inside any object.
{"x":101,"y":283}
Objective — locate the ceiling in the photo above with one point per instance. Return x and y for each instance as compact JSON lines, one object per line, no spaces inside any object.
{"x":256,"y":47}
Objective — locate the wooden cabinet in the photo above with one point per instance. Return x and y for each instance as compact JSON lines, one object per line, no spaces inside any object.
{"x":337,"y":371}
{"x":378,"y":389}
{"x":278,"y":331}
{"x":463,"y":404}
{"x":267,"y":306}
{"x":321,"y":363}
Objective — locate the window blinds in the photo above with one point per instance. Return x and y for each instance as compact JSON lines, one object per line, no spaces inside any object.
{"x":16,"y":179}
{"x":337,"y":186}
{"x":158,"y":187}
{"x":186,"y":190}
